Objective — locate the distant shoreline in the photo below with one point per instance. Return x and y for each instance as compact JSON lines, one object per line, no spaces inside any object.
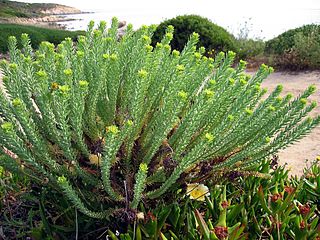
{"x":45,"y":15}
{"x":62,"y":14}
{"x":50,"y":21}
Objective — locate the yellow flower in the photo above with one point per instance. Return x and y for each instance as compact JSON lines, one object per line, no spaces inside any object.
{"x":67,"y":72}
{"x":142,"y":73}
{"x":143,"y":167}
{"x":16,"y":102}
{"x":209,"y":137}
{"x":197,"y":191}
{"x":113,"y":129}
{"x":64,"y":89}
{"x":130,"y":123}
{"x":318,"y":158}
{"x":183,"y":95}
{"x":95,"y":159}
{"x":113,"y":57}
{"x":180,"y":67}
{"x":209,"y":93}
{"x":149,"y":48}
{"x":175,"y":53}
{"x":83,"y":84}
{"x":7,"y":126}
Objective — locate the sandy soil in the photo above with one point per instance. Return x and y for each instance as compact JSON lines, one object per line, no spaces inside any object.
{"x":307,"y":148}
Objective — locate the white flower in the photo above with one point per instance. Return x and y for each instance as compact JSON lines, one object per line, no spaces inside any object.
{"x":140,"y":215}
{"x":197,"y":191}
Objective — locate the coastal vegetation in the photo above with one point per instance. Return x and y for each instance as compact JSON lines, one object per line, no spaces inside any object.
{"x":297,"y":48}
{"x":213,"y":37}
{"x":106,"y":136}
{"x":12,"y":9}
{"x":36,"y":34}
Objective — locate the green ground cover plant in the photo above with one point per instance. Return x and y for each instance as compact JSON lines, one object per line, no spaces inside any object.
{"x":36,"y":34}
{"x":237,"y":205}
{"x":240,"y":205}
{"x":132,"y":123}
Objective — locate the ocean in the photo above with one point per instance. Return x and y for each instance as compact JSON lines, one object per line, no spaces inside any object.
{"x":262,"y":25}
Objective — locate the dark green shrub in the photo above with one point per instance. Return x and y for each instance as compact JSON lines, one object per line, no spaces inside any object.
{"x":36,"y":34}
{"x":212,"y":36}
{"x":296,"y":49}
{"x":287,"y":40}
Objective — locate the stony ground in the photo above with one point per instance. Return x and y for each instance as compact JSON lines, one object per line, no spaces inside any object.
{"x":309,"y":147}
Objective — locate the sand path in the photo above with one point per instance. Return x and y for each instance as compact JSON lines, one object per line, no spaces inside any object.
{"x":307,"y":148}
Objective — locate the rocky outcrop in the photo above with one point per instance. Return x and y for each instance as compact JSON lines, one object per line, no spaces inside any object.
{"x":35,"y":13}
{"x":46,"y":21}
{"x":60,"y":9}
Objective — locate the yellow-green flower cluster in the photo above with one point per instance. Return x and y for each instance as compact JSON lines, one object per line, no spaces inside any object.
{"x":180,"y":68}
{"x":83,"y":84}
{"x":68,"y":72}
{"x":113,"y":129}
{"x":209,"y":137}
{"x":183,"y":95}
{"x":64,"y":89}
{"x":7,"y":126}
{"x":209,"y":93}
{"x":16,"y":102}
{"x":143,"y":167}
{"x":142,"y":73}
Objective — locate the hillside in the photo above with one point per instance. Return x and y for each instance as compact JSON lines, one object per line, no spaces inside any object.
{"x":12,"y":9}
{"x":37,"y":35}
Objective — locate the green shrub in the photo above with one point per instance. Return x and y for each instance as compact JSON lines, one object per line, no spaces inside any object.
{"x":130,"y":123}
{"x":250,"y":48}
{"x":8,"y":12}
{"x":296,"y":49}
{"x":212,"y":36}
{"x":286,"y":41}
{"x":36,"y":34}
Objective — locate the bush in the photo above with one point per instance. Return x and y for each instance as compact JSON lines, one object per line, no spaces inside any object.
{"x":212,"y":36}
{"x":36,"y":34}
{"x":286,"y":40}
{"x":296,"y":49}
{"x":250,"y":48}
{"x":103,"y":125}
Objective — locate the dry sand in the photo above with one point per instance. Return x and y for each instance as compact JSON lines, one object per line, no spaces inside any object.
{"x":307,"y":148}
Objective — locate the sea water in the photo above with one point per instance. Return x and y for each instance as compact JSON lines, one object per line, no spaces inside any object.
{"x":262,"y":25}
